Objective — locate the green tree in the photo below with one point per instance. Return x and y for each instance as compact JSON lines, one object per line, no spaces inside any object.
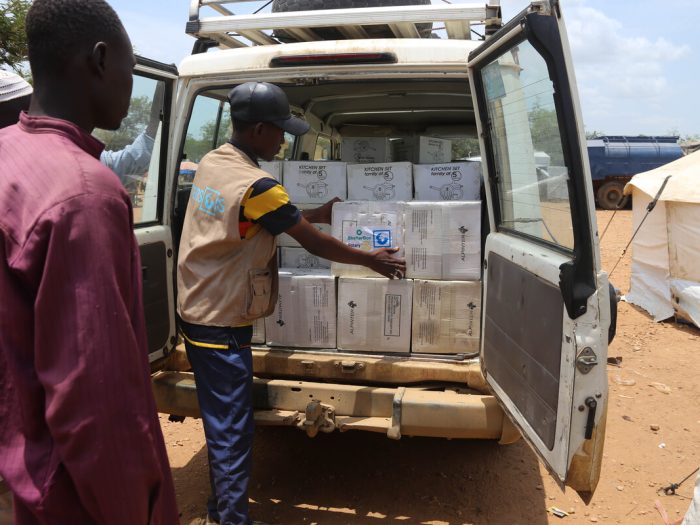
{"x":134,"y":123}
{"x":465,"y":147}
{"x":544,"y":129}
{"x":13,"y":38}
{"x":594,"y":134}
{"x":198,"y":146}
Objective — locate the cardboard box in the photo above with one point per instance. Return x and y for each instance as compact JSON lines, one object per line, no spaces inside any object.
{"x":366,"y":225}
{"x":374,"y":315}
{"x":315,"y":182}
{"x":365,"y":149}
{"x":300,"y":258}
{"x":285,"y":240}
{"x":305,"y":315}
{"x":446,"y":317}
{"x":422,"y":150}
{"x":442,"y":240}
{"x":454,"y":181}
{"x":258,"y":332}
{"x":380,"y":182}
{"x":274,"y":168}
{"x":432,"y":150}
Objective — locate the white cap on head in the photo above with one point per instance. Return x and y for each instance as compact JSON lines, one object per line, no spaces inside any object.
{"x":13,"y":86}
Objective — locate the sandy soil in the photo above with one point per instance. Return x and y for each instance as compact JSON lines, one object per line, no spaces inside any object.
{"x":362,"y":478}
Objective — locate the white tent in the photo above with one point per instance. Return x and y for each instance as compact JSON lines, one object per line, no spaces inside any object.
{"x":666,"y":251}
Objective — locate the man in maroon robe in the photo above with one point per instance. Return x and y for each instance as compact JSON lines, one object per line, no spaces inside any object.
{"x":80,"y":441}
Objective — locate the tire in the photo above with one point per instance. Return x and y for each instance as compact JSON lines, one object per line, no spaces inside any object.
{"x":610,"y":196}
{"x":330,"y":33}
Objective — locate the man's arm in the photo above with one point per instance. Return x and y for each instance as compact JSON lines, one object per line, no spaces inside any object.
{"x":132,"y":160}
{"x":323,"y":245}
{"x":268,"y":204}
{"x":135,"y":157}
{"x":90,"y":357}
{"x":322,"y":214}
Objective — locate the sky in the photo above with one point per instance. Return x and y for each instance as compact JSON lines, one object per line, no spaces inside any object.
{"x":636,"y":62}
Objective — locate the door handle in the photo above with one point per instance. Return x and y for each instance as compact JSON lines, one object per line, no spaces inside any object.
{"x":592,"y":404}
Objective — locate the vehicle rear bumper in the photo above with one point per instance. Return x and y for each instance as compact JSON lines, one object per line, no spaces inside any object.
{"x":325,"y":407}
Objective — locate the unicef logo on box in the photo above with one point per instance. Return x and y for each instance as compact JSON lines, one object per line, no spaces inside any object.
{"x":381,"y":238}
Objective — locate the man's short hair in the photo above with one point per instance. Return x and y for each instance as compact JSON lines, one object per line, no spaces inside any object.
{"x":59,"y":29}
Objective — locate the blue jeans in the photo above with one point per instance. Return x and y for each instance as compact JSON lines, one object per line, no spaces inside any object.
{"x":223,"y":371}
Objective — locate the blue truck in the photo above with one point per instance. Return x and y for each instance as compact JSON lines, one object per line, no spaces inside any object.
{"x":615,"y":159}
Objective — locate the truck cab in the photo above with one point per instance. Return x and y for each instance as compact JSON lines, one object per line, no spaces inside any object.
{"x":508,"y":97}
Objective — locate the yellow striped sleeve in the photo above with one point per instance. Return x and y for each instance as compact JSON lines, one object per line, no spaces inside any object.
{"x":269,"y":200}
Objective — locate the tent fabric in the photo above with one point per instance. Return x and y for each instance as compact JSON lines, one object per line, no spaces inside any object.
{"x":682,"y":186}
{"x":684,"y":240}
{"x":649,"y":287}
{"x":665,"y":278}
{"x":686,"y":300}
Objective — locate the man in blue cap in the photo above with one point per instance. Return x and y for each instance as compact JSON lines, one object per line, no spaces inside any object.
{"x":227,"y":278}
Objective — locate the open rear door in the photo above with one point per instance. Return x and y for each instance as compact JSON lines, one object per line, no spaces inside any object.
{"x":546,"y":308}
{"x":137,"y":153}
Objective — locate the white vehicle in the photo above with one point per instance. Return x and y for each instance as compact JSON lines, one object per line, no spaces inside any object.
{"x":546,"y":307}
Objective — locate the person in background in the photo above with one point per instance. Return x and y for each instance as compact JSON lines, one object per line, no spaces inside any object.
{"x":131,"y":161}
{"x":15,"y":94}
{"x":227,"y":278}
{"x":80,"y":440}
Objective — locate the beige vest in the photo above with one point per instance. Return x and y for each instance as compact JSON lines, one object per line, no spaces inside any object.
{"x":223,"y":280}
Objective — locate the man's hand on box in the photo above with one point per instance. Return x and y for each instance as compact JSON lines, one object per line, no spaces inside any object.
{"x":384,"y":261}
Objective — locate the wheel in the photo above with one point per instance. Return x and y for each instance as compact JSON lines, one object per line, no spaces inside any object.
{"x":330,"y":33}
{"x":611,"y":196}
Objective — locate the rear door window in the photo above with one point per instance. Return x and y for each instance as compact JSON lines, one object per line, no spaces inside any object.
{"x":533,"y":195}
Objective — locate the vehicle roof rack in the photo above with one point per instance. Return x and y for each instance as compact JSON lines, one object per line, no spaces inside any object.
{"x":232,"y":30}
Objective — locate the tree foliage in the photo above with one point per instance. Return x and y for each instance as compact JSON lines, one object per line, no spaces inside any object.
{"x":13,"y":38}
{"x":465,"y":147}
{"x":544,"y":129}
{"x":134,"y":123}
{"x":198,"y":146}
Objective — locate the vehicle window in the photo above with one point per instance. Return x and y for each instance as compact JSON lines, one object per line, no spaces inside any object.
{"x":531,"y":172}
{"x":287,"y":150}
{"x":324,"y":148}
{"x":465,"y":147}
{"x":133,"y":150}
{"x":209,"y":127}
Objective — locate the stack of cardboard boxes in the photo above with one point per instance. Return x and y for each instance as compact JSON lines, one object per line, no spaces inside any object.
{"x":403,"y":193}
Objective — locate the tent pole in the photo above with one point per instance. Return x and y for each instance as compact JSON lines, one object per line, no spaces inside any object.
{"x":650,"y":207}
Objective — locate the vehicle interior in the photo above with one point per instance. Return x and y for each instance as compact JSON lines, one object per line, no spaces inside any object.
{"x":382,"y":108}
{"x":441,"y":108}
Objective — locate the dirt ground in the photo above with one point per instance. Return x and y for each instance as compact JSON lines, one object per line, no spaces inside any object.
{"x":358,"y":478}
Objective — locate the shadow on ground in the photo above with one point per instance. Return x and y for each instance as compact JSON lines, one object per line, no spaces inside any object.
{"x":362,"y":478}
